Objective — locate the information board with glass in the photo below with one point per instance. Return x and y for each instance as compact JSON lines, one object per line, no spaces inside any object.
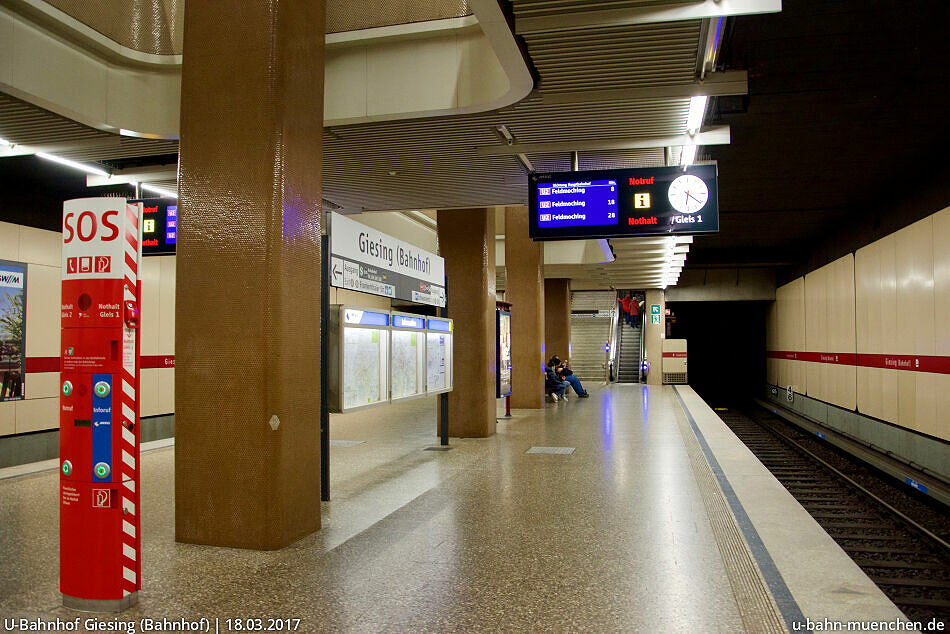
{"x":407,"y":361}
{"x":502,"y":353}
{"x":439,"y":356}
{"x":359,"y":358}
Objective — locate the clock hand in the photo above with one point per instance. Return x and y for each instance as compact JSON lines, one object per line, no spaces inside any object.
{"x":693,"y":197}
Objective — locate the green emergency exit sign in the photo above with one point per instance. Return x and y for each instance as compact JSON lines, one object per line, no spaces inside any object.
{"x":654,"y":309}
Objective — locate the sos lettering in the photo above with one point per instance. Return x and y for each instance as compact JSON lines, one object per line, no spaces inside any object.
{"x":85,"y":226}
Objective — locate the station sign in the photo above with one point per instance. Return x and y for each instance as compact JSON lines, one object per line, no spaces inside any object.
{"x":623,"y":203}
{"x":369,"y":261}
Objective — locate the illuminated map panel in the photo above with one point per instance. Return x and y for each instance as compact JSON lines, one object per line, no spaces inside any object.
{"x":408,"y":356}
{"x":359,"y":358}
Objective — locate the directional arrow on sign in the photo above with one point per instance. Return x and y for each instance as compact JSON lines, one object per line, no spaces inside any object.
{"x":335,"y":270}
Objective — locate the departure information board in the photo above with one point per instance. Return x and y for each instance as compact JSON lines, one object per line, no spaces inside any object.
{"x":620,"y":203}
{"x":159,"y":226}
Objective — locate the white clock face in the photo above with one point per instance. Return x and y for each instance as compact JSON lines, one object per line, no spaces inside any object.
{"x":688,"y":194}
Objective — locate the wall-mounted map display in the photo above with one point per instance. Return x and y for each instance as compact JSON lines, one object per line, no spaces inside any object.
{"x":502,"y":353}
{"x":359,"y":354}
{"x":408,"y":357}
{"x":439,"y":356}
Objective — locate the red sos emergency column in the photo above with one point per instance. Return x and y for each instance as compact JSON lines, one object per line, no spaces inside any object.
{"x":100,"y":563}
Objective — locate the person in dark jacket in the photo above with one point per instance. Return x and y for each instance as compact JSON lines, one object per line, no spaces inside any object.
{"x":563,"y":372}
{"x":553,"y":384}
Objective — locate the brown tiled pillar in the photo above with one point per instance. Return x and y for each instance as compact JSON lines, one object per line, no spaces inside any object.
{"x":467,"y":242}
{"x":557,"y":317}
{"x":248,"y":274}
{"x":524,"y":288}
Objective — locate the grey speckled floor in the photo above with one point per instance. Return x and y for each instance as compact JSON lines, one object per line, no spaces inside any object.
{"x":482,"y":538}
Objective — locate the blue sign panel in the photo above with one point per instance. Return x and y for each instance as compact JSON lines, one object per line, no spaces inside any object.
{"x":404,"y":321}
{"x":917,"y":485}
{"x":441,"y":325}
{"x":577,"y":203}
{"x":365,"y":317}
{"x":102,"y":427}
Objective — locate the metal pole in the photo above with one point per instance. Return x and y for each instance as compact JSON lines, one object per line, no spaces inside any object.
{"x":444,"y":397}
{"x":324,"y":367}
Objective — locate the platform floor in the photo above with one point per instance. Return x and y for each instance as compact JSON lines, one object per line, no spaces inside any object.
{"x":659,"y":521}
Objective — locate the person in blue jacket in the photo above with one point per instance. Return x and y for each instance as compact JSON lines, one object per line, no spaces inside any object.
{"x":566,"y":374}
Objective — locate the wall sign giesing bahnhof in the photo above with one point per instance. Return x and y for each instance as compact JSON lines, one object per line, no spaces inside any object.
{"x":623,"y":203}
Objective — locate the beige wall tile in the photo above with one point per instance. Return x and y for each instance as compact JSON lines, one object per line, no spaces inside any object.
{"x":7,"y":418}
{"x":37,"y":414}
{"x":10,"y":242}
{"x":148,"y":392}
{"x":166,"y":307}
{"x":41,"y":247}
{"x":166,"y":391}
{"x":43,"y":297}
{"x":150,"y":308}
{"x":42,"y":385}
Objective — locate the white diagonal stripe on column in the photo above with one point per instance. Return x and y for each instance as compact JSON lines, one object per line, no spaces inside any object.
{"x":128,"y":389}
{"x":128,"y":506}
{"x":129,"y":552}
{"x":128,"y":413}
{"x":130,"y":485}
{"x":128,"y":436}
{"x":128,"y":574}
{"x":128,"y":459}
{"x":128,"y":528}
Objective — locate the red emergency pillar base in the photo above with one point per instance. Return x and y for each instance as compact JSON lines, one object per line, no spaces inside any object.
{"x":100,"y":545}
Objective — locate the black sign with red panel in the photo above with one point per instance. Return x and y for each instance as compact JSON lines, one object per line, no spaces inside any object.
{"x":159,"y":226}
{"x":623,"y":203}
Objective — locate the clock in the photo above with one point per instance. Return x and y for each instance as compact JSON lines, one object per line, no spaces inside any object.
{"x":688,"y":194}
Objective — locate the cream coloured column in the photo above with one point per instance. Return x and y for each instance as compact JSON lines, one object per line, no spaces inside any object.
{"x":467,"y":243}
{"x":524,"y":288}
{"x":655,"y":334}
{"x":247,"y":380}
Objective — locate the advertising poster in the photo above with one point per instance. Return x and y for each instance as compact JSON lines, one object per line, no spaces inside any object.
{"x":12,"y":329}
{"x":503,"y":353}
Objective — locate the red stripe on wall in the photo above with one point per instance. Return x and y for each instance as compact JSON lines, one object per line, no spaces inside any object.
{"x":158,"y":362}
{"x":42,"y":364}
{"x":51,"y":364}
{"x":914,"y":363}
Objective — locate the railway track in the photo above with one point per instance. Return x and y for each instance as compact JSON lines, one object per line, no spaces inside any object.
{"x":899,"y":541}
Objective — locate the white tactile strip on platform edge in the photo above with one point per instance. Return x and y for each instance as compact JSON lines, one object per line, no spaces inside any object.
{"x":555,"y":450}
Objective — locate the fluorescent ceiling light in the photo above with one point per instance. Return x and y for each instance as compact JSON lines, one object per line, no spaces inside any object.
{"x":89,"y":169}
{"x":697,"y":111}
{"x":683,"y":239}
{"x":688,"y":156}
{"x":158,"y":190}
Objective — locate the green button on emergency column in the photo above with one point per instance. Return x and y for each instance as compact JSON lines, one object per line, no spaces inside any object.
{"x":102,"y":470}
{"x":67,"y":388}
{"x":67,"y":467}
{"x":102,"y":389}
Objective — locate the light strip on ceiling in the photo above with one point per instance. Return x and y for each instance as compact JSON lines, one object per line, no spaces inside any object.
{"x":82,"y":167}
{"x":688,"y":155}
{"x":697,"y":112}
{"x":158,"y":190}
